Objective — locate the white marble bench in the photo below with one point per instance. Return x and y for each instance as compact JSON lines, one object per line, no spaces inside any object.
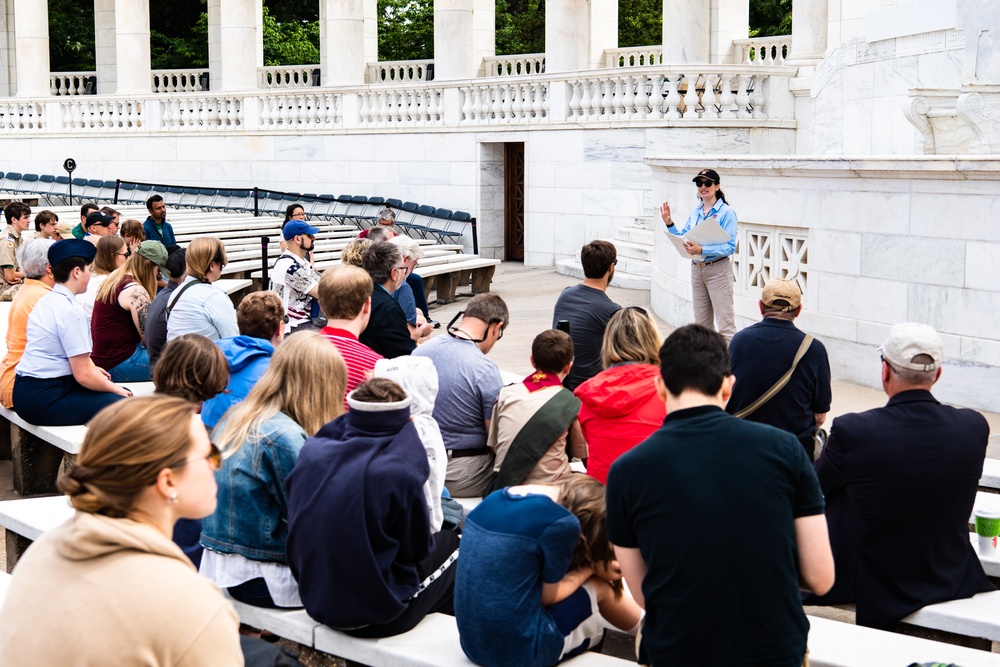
{"x":978,"y":616}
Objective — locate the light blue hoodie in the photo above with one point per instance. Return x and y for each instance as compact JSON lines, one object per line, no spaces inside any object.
{"x":248,"y":360}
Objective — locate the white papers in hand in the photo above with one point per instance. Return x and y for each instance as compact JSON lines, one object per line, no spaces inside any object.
{"x":708,"y":232}
{"x":678,"y":242}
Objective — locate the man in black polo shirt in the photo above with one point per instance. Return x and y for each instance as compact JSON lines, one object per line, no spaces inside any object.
{"x":763,"y":353}
{"x":716,"y":523}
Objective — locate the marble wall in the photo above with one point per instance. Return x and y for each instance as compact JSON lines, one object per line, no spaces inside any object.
{"x":887,"y":243}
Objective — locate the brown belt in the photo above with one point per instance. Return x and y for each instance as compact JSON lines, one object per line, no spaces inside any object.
{"x":710,"y":263}
{"x":463,"y":453}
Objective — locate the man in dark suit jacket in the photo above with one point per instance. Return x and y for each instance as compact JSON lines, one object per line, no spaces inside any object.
{"x":900,"y":484}
{"x":386,"y":332}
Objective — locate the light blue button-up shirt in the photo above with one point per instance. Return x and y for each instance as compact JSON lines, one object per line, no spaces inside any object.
{"x":725,"y":216}
{"x":57,"y":330}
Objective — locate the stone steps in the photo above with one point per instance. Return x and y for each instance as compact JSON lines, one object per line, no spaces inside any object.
{"x":635,"y":257}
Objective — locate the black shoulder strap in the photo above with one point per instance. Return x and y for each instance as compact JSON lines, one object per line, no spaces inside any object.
{"x":180,"y":290}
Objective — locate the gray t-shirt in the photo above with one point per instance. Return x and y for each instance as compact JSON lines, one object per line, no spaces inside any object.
{"x":588,"y":311}
{"x":468,"y":385}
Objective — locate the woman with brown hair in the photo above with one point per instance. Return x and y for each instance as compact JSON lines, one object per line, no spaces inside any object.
{"x":195,"y":306}
{"x":118,"y":325}
{"x":302,"y":390}
{"x":620,"y":405}
{"x":191,"y":367}
{"x":131,"y":232}
{"x":111,"y":254}
{"x":537,"y":581}
{"x":144,"y":464}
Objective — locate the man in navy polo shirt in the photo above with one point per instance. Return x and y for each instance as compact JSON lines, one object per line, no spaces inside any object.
{"x":763,"y":353}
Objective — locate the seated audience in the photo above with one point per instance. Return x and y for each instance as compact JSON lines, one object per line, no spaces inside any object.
{"x":120,"y":310}
{"x":294,"y":279}
{"x":132,"y":234}
{"x":345,"y":294}
{"x":386,"y":332}
{"x":193,"y":368}
{"x":380,"y":234}
{"x":294,"y":212}
{"x":354,"y":252}
{"x":468,"y":387}
{"x":587,"y":308}
{"x":904,"y":474}
{"x":413,"y":303}
{"x":261,"y":437}
{"x":47,"y":225}
{"x":734,"y":602}
{"x":115,"y":218}
{"x":111,"y":254}
{"x":763,"y":354}
{"x":534,"y":430}
{"x":537,"y":582}
{"x":156,"y":318}
{"x":620,"y":405}
{"x":261,"y":320}
{"x":75,"y":597}
{"x":418,"y":378}
{"x":18,"y":215}
{"x":156,"y":227}
{"x":359,"y":541}
{"x":385,"y":218}
{"x":33,"y":258}
{"x":195,"y":306}
{"x":56,"y":382}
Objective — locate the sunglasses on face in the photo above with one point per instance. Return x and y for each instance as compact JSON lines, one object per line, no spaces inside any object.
{"x":702,"y":183}
{"x":214,"y":458}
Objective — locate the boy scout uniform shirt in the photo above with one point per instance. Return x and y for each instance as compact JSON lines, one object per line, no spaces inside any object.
{"x":8,"y":251}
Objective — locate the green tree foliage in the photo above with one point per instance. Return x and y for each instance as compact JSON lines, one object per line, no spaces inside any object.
{"x":291,"y":42}
{"x":71,"y":35}
{"x":520,"y":26}
{"x":640,"y":22}
{"x":769,"y":18}
{"x":405,"y":29}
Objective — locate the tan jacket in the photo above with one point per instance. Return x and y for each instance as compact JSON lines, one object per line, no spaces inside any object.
{"x":101,"y":591}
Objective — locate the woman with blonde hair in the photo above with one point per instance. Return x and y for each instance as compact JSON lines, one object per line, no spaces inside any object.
{"x":111,"y":254}
{"x":144,"y":464}
{"x":195,"y":306}
{"x":118,"y":326}
{"x":621,"y":407}
{"x":354,"y":251}
{"x":244,"y":540}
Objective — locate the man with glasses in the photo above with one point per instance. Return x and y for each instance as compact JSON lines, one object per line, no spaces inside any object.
{"x":294,"y":279}
{"x":900,"y":484}
{"x":468,"y":386}
{"x":386,"y":332}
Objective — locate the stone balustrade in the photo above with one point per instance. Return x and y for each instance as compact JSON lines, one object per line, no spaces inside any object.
{"x":725,"y":94}
{"x":634,"y":56}
{"x":286,"y":76}
{"x":517,"y":65}
{"x":764,"y":51}
{"x":69,"y":83}
{"x":178,"y":80}
{"x":399,"y":71}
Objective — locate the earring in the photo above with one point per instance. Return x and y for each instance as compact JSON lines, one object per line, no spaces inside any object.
{"x":172,"y":500}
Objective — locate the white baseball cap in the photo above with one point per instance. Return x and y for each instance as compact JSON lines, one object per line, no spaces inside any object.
{"x":908,"y":340}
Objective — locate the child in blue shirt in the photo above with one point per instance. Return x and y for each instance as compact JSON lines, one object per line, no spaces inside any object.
{"x":537,"y":582}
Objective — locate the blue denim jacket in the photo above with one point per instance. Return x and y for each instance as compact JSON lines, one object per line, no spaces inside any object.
{"x":251,"y":518}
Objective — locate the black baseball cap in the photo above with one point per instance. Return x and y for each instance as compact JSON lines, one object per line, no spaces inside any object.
{"x":709,"y":174}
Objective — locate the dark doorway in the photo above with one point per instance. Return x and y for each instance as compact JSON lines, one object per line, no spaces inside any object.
{"x":513,"y":201}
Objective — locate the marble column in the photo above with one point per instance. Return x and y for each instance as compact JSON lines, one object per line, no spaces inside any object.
{"x":121,"y":32}
{"x":8,"y":71}
{"x":232,"y":44}
{"x":464,"y":34}
{"x":343,"y":56}
{"x":730,"y":20}
{"x":31,"y":36}
{"x":687,"y":36}
{"x":809,"y":29}
{"x":566,"y":35}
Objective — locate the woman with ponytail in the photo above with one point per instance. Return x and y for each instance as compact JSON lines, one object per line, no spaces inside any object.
{"x":109,"y":586}
{"x":711,"y":269}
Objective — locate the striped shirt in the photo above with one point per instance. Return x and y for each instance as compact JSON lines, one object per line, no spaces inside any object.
{"x":360,"y":358}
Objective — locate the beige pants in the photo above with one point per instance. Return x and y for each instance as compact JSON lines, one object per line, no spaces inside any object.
{"x":712,"y":289}
{"x":7,"y":292}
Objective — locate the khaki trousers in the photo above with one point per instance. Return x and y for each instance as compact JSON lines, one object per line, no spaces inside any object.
{"x":712,"y":290}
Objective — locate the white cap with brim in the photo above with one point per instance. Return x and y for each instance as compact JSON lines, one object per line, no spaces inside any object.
{"x":909,"y":340}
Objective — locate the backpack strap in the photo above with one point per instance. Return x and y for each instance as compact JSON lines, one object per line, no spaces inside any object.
{"x":780,"y":384}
